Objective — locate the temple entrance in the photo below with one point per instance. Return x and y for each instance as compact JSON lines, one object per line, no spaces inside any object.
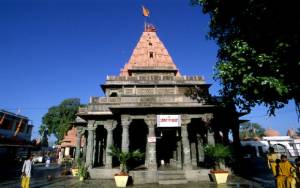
{"x":138,"y":131}
{"x":168,"y":148}
{"x":100,"y":144}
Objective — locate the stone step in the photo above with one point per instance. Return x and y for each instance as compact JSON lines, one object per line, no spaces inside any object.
{"x":171,"y":176}
{"x":175,"y":172}
{"x":170,"y":182}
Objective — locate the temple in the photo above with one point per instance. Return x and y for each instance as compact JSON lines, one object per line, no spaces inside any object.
{"x":150,"y":106}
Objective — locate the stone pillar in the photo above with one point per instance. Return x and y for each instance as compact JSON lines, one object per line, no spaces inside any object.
{"x":84,"y":149}
{"x":210,"y":137}
{"x":109,"y":125}
{"x":200,"y":149}
{"x":78,"y":141}
{"x":146,"y":153}
{"x":187,"y":163}
{"x":125,"y":122}
{"x":150,"y":120}
{"x":194,"y":154}
{"x":179,"y":155}
{"x":210,"y":133}
{"x":104,"y":151}
{"x":90,"y":144}
{"x":94,"y":149}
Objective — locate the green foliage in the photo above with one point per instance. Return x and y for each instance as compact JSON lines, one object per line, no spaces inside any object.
{"x":258,"y":57}
{"x":124,"y":157}
{"x":82,"y":169}
{"x":217,"y":154}
{"x":250,"y":130}
{"x":58,"y":118}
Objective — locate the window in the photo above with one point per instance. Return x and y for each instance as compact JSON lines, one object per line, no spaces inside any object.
{"x":151,"y":55}
{"x":150,"y":44}
{"x":113,"y":94}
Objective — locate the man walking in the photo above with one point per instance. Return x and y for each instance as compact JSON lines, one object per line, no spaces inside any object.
{"x":26,"y":172}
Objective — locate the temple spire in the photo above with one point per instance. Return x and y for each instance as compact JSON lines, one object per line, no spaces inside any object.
{"x":149,"y":54}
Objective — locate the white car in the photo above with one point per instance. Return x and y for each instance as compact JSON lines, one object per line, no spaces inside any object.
{"x":37,"y":159}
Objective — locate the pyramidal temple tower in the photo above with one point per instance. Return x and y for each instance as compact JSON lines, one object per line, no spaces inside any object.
{"x":150,"y":54}
{"x":149,"y":107}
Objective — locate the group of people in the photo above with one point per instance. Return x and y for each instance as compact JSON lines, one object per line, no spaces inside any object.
{"x":287,"y":174}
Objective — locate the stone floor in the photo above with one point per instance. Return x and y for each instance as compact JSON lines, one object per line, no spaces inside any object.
{"x":73,"y":182}
{"x":259,"y":177}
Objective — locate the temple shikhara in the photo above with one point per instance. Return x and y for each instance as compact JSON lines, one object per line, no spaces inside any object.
{"x":149,"y":106}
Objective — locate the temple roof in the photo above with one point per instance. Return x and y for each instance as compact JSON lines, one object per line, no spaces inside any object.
{"x":149,"y":54}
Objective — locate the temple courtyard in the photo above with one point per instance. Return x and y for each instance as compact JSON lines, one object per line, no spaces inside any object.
{"x":256,"y":175}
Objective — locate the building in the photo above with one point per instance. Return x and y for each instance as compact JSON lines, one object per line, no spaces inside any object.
{"x":14,"y":127}
{"x":150,"y":106}
{"x":67,"y":146}
{"x":15,"y":135}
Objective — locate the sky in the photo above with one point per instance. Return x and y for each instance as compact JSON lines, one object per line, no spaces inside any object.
{"x":51,"y":50}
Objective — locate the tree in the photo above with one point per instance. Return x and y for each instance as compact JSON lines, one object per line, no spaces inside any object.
{"x":58,"y":118}
{"x":258,"y":57}
{"x":250,"y":130}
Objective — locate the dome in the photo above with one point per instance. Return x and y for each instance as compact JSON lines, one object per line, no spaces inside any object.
{"x":271,"y":132}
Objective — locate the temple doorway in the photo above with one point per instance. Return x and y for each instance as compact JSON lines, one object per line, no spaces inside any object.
{"x":138,"y":131}
{"x":168,"y":148}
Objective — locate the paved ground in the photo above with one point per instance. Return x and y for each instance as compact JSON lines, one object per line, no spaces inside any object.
{"x":255,"y":175}
{"x":73,"y":182}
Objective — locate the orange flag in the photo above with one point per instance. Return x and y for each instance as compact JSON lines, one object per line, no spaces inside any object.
{"x":2,"y":119}
{"x":146,"y":11}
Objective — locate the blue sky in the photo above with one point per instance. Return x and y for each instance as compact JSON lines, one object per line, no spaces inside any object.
{"x":51,"y":50}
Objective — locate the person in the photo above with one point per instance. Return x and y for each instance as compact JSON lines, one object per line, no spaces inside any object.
{"x":26,"y":172}
{"x":47,"y":161}
{"x":297,"y":163}
{"x":285,"y":176}
{"x":271,"y":159}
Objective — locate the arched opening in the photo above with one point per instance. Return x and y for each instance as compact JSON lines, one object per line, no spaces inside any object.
{"x":138,"y":131}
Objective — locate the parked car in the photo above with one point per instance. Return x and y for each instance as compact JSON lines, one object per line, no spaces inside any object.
{"x":38,"y":159}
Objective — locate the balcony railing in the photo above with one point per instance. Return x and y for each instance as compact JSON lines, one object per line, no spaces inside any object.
{"x":136,"y":99}
{"x":154,"y":78}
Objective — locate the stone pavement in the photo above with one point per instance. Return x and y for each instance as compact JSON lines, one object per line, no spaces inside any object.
{"x":73,"y":182}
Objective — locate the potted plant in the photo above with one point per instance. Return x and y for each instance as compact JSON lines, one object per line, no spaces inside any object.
{"x":82,"y":170}
{"x":121,"y":178}
{"x":217,"y":155}
{"x":75,"y":167}
{"x":67,"y":163}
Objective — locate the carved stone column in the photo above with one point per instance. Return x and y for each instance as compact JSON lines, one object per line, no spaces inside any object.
{"x":210,"y":133}
{"x":90,"y":144}
{"x":79,"y":133}
{"x":179,"y":155}
{"x":94,"y":148}
{"x":200,"y":149}
{"x":187,"y":163}
{"x":194,"y":154}
{"x":125,"y":122}
{"x":150,"y":120}
{"x":109,"y":125}
{"x":146,"y":153}
{"x":84,"y":150}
